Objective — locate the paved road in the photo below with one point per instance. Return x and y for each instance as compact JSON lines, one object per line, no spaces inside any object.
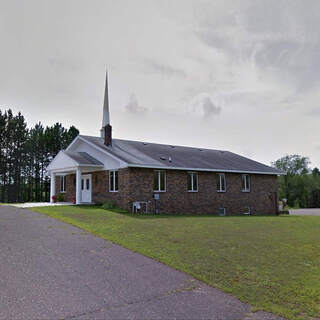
{"x":49,"y":269}
{"x":305,"y":212}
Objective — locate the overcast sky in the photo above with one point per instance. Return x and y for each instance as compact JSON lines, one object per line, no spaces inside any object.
{"x":235,"y":75}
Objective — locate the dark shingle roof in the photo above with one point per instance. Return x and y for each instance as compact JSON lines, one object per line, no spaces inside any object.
{"x":83,"y":158}
{"x":144,"y":154}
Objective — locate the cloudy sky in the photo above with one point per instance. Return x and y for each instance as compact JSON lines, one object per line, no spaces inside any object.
{"x":235,"y":75}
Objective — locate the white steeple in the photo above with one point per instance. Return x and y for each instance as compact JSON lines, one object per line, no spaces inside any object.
{"x":106,"y":115}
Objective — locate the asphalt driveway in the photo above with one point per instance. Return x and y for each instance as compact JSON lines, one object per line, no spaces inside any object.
{"x":49,"y":269}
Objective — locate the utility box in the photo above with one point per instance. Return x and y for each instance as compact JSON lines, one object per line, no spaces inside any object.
{"x":156,"y":197}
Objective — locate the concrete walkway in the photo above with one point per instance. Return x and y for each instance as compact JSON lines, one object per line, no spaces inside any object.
{"x":52,"y":270}
{"x":39,"y":204}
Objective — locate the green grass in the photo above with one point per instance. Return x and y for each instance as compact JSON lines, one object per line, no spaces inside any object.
{"x":273,"y":263}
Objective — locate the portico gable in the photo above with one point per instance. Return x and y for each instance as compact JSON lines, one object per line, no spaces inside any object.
{"x":67,"y":162}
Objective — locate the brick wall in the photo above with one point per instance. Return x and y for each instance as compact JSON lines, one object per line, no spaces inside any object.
{"x":136,"y":184}
{"x":70,"y":187}
{"x":261,"y":199}
{"x":100,"y":188}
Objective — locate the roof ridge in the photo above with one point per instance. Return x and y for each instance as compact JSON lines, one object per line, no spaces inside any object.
{"x":156,"y":143}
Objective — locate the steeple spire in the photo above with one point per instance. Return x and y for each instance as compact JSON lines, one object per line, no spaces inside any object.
{"x":106,"y":114}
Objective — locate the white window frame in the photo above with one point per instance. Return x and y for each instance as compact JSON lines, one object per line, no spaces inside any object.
{"x":113,"y":189}
{"x":63,"y":179}
{"x":193,"y":174}
{"x":159,"y":181}
{"x":246,"y":183}
{"x":219,"y":175}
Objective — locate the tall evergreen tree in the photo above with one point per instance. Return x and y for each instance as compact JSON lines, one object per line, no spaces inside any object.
{"x":25,"y":155}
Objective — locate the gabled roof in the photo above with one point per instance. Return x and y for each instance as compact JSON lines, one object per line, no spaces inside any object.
{"x":83,"y":158}
{"x":71,"y":160}
{"x":153,"y":155}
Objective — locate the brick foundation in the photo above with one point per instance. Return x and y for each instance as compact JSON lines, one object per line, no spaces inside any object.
{"x":136,"y":184}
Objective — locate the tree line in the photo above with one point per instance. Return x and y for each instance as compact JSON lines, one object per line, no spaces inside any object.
{"x":301,"y":184}
{"x":26,"y":152}
{"x":24,"y":155}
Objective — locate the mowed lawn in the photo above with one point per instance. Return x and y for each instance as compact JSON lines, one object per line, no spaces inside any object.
{"x":271,"y":262}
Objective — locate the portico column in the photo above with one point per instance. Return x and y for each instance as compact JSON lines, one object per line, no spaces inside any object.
{"x":52,"y":186}
{"x":78,"y":186}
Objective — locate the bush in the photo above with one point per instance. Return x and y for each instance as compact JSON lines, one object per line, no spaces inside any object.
{"x":60,"y":197}
{"x":109,"y":206}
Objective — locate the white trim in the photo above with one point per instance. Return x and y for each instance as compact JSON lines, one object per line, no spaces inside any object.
{"x":192,"y":186}
{"x":78,"y":186}
{"x":91,"y":165}
{"x":249,"y":180}
{"x":159,"y":181}
{"x":114,"y":180}
{"x":73,"y":141}
{"x":74,"y":163}
{"x":56,"y":157}
{"x":220,"y":184}
{"x":64,"y":183}
{"x":52,"y":186}
{"x":67,"y":170}
{"x":201,"y":169}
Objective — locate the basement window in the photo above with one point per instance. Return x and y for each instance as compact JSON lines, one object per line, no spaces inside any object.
{"x":192,"y":182}
{"x":63,"y":184}
{"x":113,"y":181}
{"x":221,"y":182}
{"x":159,"y":180}
{"x":245,"y":183}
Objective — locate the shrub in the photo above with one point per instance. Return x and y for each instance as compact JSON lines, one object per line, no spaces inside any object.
{"x":60,"y":197}
{"x":109,"y":206}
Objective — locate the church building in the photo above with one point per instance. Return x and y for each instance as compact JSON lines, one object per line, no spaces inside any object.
{"x":149,"y":177}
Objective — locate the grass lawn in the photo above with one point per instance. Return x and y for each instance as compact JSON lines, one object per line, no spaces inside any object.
{"x":272,"y":262}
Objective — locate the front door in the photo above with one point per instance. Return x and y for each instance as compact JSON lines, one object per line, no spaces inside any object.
{"x":86,"y":188}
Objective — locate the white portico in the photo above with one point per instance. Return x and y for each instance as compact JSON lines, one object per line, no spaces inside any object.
{"x":79,"y":163}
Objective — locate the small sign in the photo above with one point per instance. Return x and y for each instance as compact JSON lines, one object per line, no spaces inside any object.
{"x":156,"y":196}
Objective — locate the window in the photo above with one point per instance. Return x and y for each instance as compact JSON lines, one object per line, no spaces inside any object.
{"x":113,"y":181}
{"x":222,"y":212}
{"x":63,"y":183}
{"x":159,"y":180}
{"x":245,"y":183}
{"x":221,"y":182}
{"x":192,"y":181}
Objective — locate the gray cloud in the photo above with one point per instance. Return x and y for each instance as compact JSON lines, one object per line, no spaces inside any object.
{"x":133,"y":106}
{"x":276,"y":37}
{"x":209,"y":108}
{"x":313,"y":112}
{"x":151,"y":66}
{"x":250,"y":61}
{"x":203,"y":105}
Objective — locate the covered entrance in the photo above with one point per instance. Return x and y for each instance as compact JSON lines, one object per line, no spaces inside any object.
{"x":80,"y":163}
